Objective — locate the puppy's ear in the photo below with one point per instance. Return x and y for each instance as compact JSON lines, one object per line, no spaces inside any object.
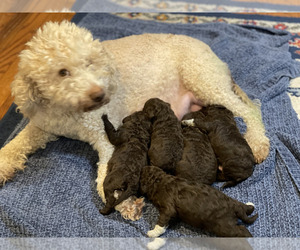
{"x":106,"y":210}
{"x":26,"y":94}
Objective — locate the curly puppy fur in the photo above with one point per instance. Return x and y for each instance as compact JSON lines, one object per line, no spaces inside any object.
{"x":131,"y":142}
{"x":166,"y":138}
{"x":64,"y":71}
{"x":198,"y":162}
{"x":198,"y":204}
{"x":232,"y":150}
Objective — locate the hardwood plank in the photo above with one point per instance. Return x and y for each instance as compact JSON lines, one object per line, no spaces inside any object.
{"x":34,"y":5}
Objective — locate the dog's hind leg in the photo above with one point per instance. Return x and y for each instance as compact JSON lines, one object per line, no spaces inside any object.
{"x":14,"y":155}
{"x":209,"y":79}
{"x":219,"y":89}
{"x":244,"y":210}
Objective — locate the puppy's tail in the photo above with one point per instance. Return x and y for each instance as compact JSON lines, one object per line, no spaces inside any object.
{"x":244,"y":211}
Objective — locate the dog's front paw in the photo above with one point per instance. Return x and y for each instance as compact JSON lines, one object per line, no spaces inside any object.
{"x":132,"y":208}
{"x":156,"y":232}
{"x":260,"y":146}
{"x":9,"y":166}
{"x":102,"y":169}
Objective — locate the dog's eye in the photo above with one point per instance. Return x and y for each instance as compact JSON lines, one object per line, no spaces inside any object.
{"x":64,"y":72}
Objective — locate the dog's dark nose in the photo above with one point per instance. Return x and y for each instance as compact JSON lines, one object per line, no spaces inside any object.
{"x":97,"y":94}
{"x":97,"y":97}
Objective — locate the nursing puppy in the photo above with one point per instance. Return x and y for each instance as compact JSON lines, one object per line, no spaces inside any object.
{"x":199,"y":205}
{"x":232,"y":150}
{"x":198,"y":162}
{"x":166,"y":139}
{"x":130,"y":155}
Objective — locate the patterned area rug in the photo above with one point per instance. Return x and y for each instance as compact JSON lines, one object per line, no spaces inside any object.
{"x":179,"y":6}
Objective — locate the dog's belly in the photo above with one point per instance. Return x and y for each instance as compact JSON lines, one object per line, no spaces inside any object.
{"x":184,"y":103}
{"x":148,"y":67}
{"x":181,"y":100}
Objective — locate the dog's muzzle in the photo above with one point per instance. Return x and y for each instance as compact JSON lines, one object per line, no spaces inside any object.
{"x":97,"y":98}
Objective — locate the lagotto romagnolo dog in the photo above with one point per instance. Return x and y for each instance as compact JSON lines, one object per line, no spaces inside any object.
{"x":198,"y":162}
{"x":197,"y":204}
{"x":166,"y":136}
{"x":65,"y":72}
{"x":131,"y":141}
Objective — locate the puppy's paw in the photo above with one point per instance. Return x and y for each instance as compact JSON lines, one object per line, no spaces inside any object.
{"x":189,"y":122}
{"x":250,"y":204}
{"x":156,"y":232}
{"x":157,"y":243}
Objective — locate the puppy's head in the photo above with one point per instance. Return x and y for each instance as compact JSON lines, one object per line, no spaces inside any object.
{"x":117,"y":188}
{"x":194,"y":115}
{"x":216,"y":110}
{"x":137,"y":123}
{"x":63,"y":67}
{"x":155,"y":106}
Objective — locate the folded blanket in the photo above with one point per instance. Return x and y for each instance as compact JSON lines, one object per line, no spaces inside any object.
{"x":56,"y":194}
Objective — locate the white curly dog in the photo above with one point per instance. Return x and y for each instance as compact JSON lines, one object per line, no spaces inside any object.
{"x":66,"y":80}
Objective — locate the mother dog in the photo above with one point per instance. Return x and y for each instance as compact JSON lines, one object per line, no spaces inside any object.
{"x":64,"y":72}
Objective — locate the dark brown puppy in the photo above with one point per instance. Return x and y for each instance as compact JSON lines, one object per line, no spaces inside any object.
{"x":166,"y":139}
{"x":197,"y":204}
{"x":198,"y":162}
{"x":232,"y":150}
{"x":131,"y":142}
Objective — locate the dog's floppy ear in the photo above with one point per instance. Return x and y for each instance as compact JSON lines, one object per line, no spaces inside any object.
{"x":26,"y":94}
{"x":109,"y":206}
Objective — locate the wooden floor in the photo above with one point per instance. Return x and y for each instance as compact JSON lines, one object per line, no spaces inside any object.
{"x":17,"y":28}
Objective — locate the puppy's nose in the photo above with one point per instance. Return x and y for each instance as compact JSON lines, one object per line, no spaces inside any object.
{"x":97,"y":94}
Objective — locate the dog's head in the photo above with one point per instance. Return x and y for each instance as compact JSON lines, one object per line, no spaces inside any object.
{"x":156,"y":107}
{"x":118,"y":186}
{"x":63,"y":67}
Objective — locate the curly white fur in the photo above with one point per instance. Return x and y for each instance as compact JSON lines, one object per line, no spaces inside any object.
{"x":63,"y":69}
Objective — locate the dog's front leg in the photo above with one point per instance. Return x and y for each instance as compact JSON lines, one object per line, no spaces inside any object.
{"x":165,"y":216}
{"x":105,"y":152}
{"x":13,"y":156}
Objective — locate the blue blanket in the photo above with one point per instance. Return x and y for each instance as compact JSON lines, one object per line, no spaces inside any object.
{"x":55,"y":196}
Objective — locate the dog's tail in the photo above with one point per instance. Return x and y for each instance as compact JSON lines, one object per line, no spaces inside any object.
{"x":244,"y":211}
{"x":254,"y":104}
